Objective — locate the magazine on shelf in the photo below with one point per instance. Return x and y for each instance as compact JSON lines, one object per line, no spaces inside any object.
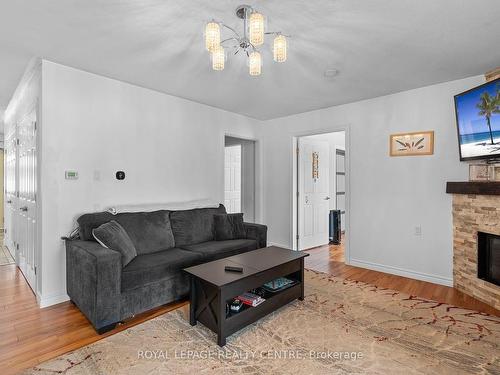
{"x":278,"y":284}
{"x":251,"y":299}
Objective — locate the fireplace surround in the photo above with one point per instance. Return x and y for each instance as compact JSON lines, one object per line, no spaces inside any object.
{"x":476,"y":212}
{"x":488,"y":257}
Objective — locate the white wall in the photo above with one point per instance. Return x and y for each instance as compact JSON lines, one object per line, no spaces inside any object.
{"x":389,"y":197}
{"x":2,"y":126}
{"x":171,"y":149}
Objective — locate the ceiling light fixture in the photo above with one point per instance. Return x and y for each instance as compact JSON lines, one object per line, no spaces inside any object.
{"x":253,"y":36}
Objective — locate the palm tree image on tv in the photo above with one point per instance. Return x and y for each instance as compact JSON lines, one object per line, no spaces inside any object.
{"x":478,"y":121}
{"x":489,"y":105}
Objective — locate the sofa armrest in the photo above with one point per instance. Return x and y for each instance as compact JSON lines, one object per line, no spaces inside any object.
{"x":93,"y":277}
{"x":257,"y":232}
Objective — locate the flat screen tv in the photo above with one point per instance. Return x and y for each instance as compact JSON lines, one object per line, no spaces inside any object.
{"x":478,"y":122}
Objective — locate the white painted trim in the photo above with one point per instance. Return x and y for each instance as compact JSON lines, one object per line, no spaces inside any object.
{"x":51,"y":300}
{"x":278,"y":245}
{"x":435,"y":279}
{"x":258,"y":170}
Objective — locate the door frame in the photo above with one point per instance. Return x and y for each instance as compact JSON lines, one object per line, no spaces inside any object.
{"x":258,"y":178}
{"x":294,"y":165}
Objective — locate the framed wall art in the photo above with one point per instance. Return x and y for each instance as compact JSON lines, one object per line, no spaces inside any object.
{"x":412,"y":144}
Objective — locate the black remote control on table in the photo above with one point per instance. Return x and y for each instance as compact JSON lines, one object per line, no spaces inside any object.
{"x":233,"y":269}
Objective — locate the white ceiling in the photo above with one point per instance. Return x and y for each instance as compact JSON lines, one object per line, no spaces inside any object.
{"x":379,"y":47}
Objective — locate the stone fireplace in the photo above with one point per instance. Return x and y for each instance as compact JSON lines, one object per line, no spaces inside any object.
{"x":476,"y":235}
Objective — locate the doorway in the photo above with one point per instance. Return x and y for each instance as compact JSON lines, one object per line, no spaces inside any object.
{"x":239,"y":176}
{"x":21,"y":193}
{"x":320,"y":192}
{"x":5,"y":255}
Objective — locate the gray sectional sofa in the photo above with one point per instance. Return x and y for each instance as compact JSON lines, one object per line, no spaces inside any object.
{"x":166,"y":242}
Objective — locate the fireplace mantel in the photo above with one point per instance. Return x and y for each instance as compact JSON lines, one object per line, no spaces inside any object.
{"x":477,"y":188}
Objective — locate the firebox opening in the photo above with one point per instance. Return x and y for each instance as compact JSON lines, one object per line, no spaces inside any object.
{"x":488,"y":254}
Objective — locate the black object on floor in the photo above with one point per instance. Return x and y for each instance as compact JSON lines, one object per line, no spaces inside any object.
{"x":335,"y":227}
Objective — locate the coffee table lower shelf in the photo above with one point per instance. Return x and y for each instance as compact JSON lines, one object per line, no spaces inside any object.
{"x":250,"y":315}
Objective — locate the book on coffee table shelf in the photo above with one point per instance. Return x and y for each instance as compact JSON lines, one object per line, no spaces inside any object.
{"x":251,"y":299}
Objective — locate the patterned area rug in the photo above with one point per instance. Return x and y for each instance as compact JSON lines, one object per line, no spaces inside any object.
{"x":342,"y":327}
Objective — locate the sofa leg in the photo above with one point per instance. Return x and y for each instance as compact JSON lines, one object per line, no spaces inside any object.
{"x":107,"y":328}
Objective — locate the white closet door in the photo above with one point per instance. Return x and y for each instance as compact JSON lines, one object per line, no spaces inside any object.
{"x":27,"y":195}
{"x":232,"y":179}
{"x":10,"y":183}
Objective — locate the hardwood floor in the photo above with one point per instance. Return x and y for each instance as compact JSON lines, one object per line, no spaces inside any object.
{"x":30,"y":335}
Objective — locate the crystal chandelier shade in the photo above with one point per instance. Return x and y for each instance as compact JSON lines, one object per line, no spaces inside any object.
{"x":254,"y":64}
{"x":256,"y":29}
{"x":247,"y":43}
{"x":212,"y":36}
{"x":218,"y":58}
{"x":279,"y":49}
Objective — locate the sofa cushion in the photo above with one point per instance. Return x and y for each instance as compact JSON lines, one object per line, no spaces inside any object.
{"x":194,"y":226}
{"x":88,"y":222}
{"x":214,"y":250}
{"x":229,"y":227}
{"x":149,"y":231}
{"x":112,"y":236}
{"x":149,"y":268}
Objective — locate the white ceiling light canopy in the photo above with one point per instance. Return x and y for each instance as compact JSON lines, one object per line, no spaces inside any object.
{"x":252,"y":37}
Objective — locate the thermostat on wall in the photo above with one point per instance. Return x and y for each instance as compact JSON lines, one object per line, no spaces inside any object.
{"x":71,"y":175}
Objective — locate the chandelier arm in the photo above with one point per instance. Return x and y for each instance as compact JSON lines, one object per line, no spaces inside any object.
{"x":253,"y":47}
{"x":232,"y":38}
{"x":230,"y":28}
{"x":277,"y":33}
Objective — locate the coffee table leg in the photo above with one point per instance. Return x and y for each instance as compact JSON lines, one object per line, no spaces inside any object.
{"x":192,"y":301}
{"x":221,"y":312}
{"x":301,"y":279}
{"x":221,"y":341}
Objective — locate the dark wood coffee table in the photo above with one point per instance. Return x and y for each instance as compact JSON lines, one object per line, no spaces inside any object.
{"x":212,"y":287}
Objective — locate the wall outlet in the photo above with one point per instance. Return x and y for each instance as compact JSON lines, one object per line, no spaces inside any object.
{"x":418,"y":230}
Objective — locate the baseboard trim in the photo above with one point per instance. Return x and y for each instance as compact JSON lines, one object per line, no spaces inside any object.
{"x":402,"y":272}
{"x":51,"y":300}
{"x":278,"y":245}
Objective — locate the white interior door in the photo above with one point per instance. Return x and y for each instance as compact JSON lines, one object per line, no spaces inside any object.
{"x":10,"y":183}
{"x":313,"y":190}
{"x":232,"y":178}
{"x":27,"y":189}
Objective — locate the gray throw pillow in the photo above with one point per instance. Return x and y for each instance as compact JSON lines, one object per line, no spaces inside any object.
{"x":229,"y":227}
{"x":112,"y":236}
